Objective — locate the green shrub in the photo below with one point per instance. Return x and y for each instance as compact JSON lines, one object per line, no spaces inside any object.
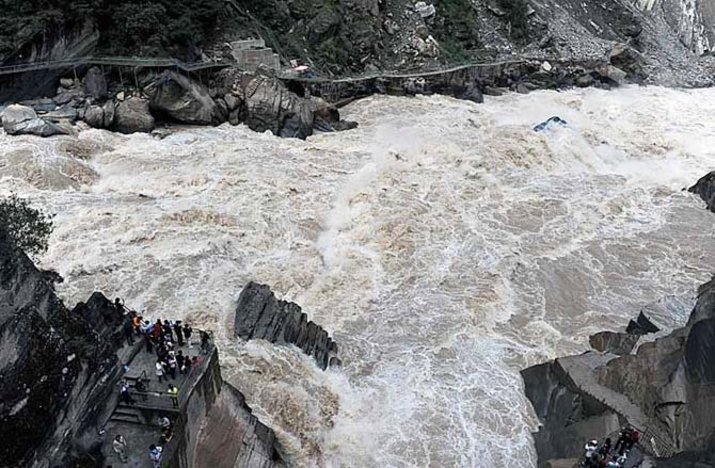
{"x":25,"y":226}
{"x":517,"y":15}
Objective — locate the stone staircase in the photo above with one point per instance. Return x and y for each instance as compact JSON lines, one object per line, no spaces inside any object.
{"x":581,"y":370}
{"x":128,"y":414}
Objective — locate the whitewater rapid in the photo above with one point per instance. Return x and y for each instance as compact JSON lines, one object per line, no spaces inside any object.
{"x":445,"y":246}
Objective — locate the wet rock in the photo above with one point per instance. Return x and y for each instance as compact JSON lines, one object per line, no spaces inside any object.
{"x":53,"y":363}
{"x":95,"y":83}
{"x":133,"y":115}
{"x":270,"y":106}
{"x":233,"y":436}
{"x":705,"y":188}
{"x":469,"y":93}
{"x":641,"y":326}
{"x":184,"y":100}
{"x":22,"y":120}
{"x":612,"y":73}
{"x":260,"y":315}
{"x":614,"y":343}
{"x":100,"y":116}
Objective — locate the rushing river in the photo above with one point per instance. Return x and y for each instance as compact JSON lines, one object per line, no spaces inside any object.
{"x":445,"y":245}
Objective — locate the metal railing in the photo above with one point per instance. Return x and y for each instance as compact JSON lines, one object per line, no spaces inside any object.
{"x":112,"y":61}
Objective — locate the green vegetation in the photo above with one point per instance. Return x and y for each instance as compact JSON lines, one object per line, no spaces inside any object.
{"x":144,"y":27}
{"x":24,"y":226}
{"x":457,"y":31}
{"x":517,"y":15}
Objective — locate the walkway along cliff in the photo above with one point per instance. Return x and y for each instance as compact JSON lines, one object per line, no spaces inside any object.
{"x":60,"y":383}
{"x":666,"y":389}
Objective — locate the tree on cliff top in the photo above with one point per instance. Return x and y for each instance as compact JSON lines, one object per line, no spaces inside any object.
{"x":24,"y":226}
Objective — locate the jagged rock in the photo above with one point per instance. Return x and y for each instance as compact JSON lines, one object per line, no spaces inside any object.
{"x":100,"y":116}
{"x":232,"y":102}
{"x":95,"y":83}
{"x":259,"y":315}
{"x":667,"y":387}
{"x":133,"y":115}
{"x":64,"y":114}
{"x":270,"y":106}
{"x":469,"y":93}
{"x":568,"y":417}
{"x":53,"y":362}
{"x":705,"y":187}
{"x":612,"y":342}
{"x":612,"y":73}
{"x":19,"y":120}
{"x":641,"y":326}
{"x":185,"y":100}
{"x":94,"y":116}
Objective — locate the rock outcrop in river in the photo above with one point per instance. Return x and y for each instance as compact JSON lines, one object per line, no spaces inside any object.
{"x":705,"y":188}
{"x":260,"y":315}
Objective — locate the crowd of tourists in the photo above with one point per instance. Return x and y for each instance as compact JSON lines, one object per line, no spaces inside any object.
{"x":163,"y":337}
{"x":607,"y":455}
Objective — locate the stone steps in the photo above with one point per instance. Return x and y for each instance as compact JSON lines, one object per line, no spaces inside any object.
{"x":581,"y":370}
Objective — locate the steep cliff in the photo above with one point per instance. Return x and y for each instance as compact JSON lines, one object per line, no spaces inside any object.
{"x":53,"y":360}
{"x":666,"y":389}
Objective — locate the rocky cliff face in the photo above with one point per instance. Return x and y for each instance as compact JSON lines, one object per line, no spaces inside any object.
{"x":260,"y":315}
{"x":666,"y":389}
{"x":232,"y":437}
{"x":52,"y":362}
{"x":347,"y":36}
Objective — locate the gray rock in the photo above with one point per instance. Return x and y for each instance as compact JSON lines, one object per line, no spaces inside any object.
{"x":614,"y":343}
{"x":22,"y":120}
{"x":184,"y":100}
{"x":641,"y":326}
{"x":66,"y":83}
{"x":705,"y":188}
{"x":133,"y":115}
{"x":259,"y":315}
{"x":94,"y":116}
{"x":95,"y":83}
{"x":232,"y":102}
{"x":55,"y":363}
{"x":614,"y":74}
{"x":270,"y":106}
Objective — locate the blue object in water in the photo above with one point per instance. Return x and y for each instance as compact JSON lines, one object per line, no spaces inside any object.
{"x":553,"y":120}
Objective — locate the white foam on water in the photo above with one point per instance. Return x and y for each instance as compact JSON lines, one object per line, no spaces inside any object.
{"x":445,"y":246}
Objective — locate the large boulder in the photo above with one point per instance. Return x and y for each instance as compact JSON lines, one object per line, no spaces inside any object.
{"x":271,"y":106}
{"x":100,"y":116}
{"x":185,"y":100}
{"x":133,"y":115}
{"x":95,"y":83}
{"x":20,"y":120}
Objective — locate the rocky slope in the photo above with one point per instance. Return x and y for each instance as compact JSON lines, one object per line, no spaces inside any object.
{"x":666,"y":389}
{"x":355,"y":36}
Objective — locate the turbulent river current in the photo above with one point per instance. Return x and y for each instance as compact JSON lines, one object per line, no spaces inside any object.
{"x":445,"y":246}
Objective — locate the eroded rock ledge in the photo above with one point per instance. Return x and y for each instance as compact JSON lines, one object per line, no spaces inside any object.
{"x":666,"y":389}
{"x":260,"y":315}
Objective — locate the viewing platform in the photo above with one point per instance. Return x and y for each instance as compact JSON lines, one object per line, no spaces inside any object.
{"x":138,"y":421}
